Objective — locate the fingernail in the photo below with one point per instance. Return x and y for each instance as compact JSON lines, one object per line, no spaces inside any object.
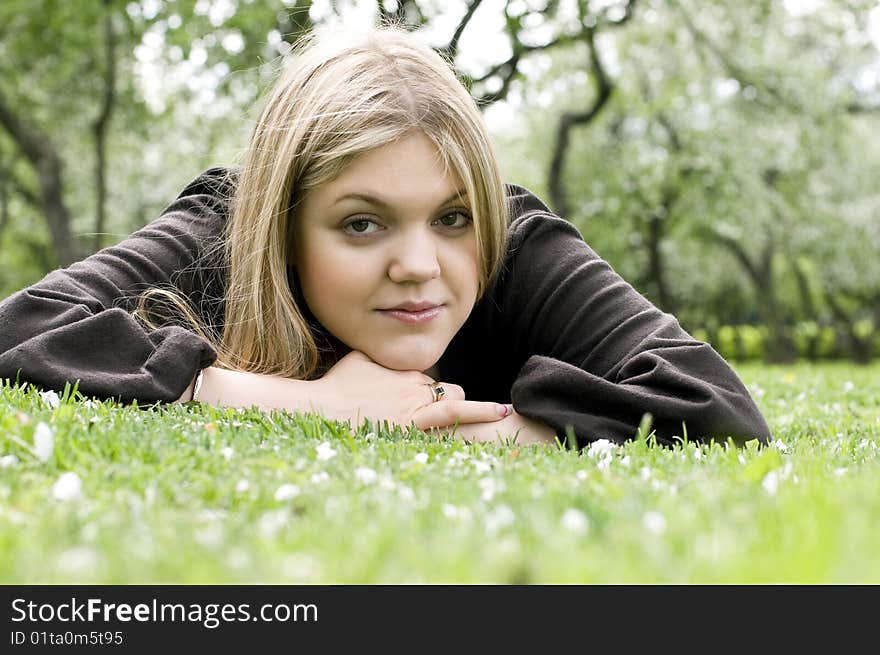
{"x":503,"y":410}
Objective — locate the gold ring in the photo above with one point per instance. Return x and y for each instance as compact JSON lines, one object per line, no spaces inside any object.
{"x":437,"y":391}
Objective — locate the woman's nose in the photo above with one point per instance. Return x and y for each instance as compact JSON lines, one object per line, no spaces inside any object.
{"x":415,"y":258}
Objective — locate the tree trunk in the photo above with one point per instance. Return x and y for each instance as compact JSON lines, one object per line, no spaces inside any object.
{"x":558,"y":196}
{"x":860,"y":348}
{"x":657,"y":262}
{"x":41,"y":154}
{"x":101,"y":126}
{"x":4,"y":196}
{"x":804,"y":291}
{"x":780,"y":346}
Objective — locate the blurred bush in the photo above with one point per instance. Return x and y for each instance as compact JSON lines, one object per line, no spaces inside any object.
{"x":812,"y":341}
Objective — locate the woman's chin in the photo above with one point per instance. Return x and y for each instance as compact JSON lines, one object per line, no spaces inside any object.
{"x":405,"y":362}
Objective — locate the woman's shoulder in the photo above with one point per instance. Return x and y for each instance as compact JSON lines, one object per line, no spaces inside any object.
{"x":217,"y":183}
{"x":203,"y":206}
{"x":529,"y":215}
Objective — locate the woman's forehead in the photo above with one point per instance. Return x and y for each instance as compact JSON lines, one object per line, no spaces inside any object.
{"x":409,"y":168}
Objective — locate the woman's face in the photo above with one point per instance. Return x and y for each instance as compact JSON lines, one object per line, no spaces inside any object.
{"x":394,"y":230}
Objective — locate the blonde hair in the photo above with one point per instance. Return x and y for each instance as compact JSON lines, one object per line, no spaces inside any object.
{"x":340,"y":94}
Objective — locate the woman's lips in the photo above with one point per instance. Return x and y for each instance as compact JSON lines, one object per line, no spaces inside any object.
{"x":413,"y":318}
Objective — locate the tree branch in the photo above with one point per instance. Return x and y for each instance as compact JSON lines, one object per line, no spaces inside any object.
{"x":451,"y":49}
{"x":735,"y":248}
{"x":101,"y":126}
{"x":569,"y":120}
{"x":859,"y":108}
{"x":31,"y":144}
{"x":733,"y":69}
{"x":41,"y":154}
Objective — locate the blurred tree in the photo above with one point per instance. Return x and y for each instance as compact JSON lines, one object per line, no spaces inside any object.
{"x":729,"y":143}
{"x":722,"y":156}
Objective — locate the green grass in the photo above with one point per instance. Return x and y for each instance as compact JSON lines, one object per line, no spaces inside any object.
{"x":188,"y":495}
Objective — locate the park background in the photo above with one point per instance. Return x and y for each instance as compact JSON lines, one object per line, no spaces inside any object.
{"x":724,"y":157}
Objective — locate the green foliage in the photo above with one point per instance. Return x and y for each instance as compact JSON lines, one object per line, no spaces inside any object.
{"x":730,"y":133}
{"x":182,"y":494}
{"x":734,"y":130}
{"x":813,"y":342}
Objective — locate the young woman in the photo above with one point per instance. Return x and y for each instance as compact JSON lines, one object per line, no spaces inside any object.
{"x":367,"y":262}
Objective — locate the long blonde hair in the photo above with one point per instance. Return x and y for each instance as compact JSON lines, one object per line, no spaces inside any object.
{"x":340,"y":94}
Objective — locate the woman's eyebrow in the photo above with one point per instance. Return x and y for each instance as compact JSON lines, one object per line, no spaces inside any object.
{"x":379,"y":202}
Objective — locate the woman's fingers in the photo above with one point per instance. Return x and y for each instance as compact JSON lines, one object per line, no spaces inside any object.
{"x":450,"y":391}
{"x":445,"y":413}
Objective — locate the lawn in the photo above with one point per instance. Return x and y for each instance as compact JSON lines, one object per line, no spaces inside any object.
{"x":100,"y":493}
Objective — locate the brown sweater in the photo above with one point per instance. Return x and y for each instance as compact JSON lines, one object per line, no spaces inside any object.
{"x":560,"y":334}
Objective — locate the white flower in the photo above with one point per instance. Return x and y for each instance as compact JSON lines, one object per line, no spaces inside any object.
{"x":840,"y":471}
{"x":227,"y":453}
{"x":603,"y":451}
{"x":78,"y":559}
{"x":454,"y":513}
{"x":625,"y":461}
{"x":271,"y":522}
{"x":369,"y":436}
{"x":51,"y":398}
{"x":365,"y":475}
{"x":325,"y":451}
{"x":8,"y":461}
{"x":581,"y":475}
{"x":450,"y":511}
{"x":406,"y":493}
{"x":646,"y":473}
{"x":771,"y":483}
{"x":654,"y":522}
{"x":44,"y":442}
{"x":422,"y":458}
{"x":210,"y":536}
{"x":482,"y":467}
{"x":575,"y":521}
{"x":67,"y":487}
{"x":489,"y":487}
{"x":601,"y":448}
{"x":499,"y":518}
{"x":319,"y":477}
{"x":848,"y":386}
{"x":241,"y":486}
{"x":781,"y":446}
{"x":286,"y":492}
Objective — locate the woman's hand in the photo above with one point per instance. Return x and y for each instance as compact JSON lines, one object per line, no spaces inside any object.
{"x":523,"y":429}
{"x":356,"y":388}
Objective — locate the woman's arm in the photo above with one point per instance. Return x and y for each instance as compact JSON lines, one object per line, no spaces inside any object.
{"x":356,"y":388}
{"x":515,"y":428}
{"x":75,"y":324}
{"x":596,"y":355}
{"x":242,"y":389}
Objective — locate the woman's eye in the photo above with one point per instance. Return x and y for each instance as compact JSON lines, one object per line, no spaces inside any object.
{"x":455,"y":220}
{"x":360,"y":227}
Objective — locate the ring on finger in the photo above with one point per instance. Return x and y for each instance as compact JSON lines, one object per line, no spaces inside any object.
{"x":437,"y":391}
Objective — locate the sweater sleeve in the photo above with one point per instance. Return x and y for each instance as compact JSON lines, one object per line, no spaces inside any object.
{"x":598,"y":355}
{"x":75,"y":323}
